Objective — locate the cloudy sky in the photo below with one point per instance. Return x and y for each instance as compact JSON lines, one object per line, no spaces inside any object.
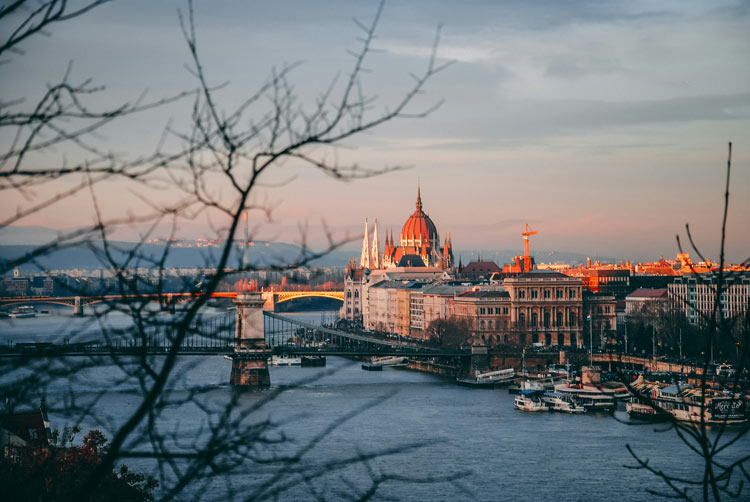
{"x":604,"y":125}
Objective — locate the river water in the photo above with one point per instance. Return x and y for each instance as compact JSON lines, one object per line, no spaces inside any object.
{"x":427,"y":426}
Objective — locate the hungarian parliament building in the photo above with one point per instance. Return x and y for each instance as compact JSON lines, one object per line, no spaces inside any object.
{"x":419,"y":245}
{"x":412,"y":283}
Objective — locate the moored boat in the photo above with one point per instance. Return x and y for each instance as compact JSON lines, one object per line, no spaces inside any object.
{"x":285,"y":361}
{"x":488,"y":379}
{"x":23,"y":312}
{"x":562,"y":403}
{"x":691,"y":404}
{"x":530,"y":401}
{"x":591,"y":397}
{"x":312,"y":361}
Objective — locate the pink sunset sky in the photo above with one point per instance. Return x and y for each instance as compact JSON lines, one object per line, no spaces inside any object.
{"x":603,"y":125}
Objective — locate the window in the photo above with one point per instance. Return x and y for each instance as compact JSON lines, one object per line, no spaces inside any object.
{"x":489,"y":325}
{"x":572,"y":319}
{"x":535,"y":338}
{"x":606,"y":309}
{"x":560,"y":293}
{"x":521,"y":320}
{"x":481,"y":324}
{"x":534,"y":293}
{"x":547,"y":293}
{"x":505,"y":310}
{"x":356,"y":294}
{"x":497,"y":310}
{"x":548,"y":339}
{"x":481,"y":311}
{"x":522,"y":338}
{"x":560,"y":339}
{"x":559,"y":319}
{"x":348,"y":294}
{"x":534,"y":319}
{"x":571,"y":293}
{"x":546,"y":319}
{"x":521,"y":293}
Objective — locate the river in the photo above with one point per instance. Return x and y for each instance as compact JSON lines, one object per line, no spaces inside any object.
{"x":501,"y":453}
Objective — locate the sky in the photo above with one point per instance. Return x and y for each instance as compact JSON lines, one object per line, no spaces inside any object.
{"x":603,"y":125}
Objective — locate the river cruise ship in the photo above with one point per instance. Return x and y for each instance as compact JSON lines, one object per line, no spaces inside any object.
{"x":685,"y":402}
{"x":593,"y":397}
{"x":530,"y":401}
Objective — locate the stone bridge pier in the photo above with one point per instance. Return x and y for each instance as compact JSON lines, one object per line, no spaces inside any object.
{"x":250,"y":358}
{"x":477,"y":362}
{"x":77,"y":307}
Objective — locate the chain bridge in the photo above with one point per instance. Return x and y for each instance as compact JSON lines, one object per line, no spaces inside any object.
{"x":248,"y":335}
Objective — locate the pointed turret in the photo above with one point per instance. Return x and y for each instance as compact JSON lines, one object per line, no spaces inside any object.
{"x":419,"y":198}
{"x":364,"y":261}
{"x":375,"y":259}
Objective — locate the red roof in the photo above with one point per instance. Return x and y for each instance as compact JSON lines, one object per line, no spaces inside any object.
{"x":419,"y":226}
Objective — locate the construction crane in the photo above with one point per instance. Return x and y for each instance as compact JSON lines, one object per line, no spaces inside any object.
{"x":526,"y":258}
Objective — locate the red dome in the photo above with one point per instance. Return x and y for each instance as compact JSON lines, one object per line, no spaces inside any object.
{"x":419,"y":229}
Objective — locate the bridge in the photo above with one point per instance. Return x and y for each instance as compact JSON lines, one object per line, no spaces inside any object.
{"x":270,"y":298}
{"x":250,"y":336}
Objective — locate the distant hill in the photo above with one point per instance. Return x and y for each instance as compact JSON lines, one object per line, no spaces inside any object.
{"x":260,"y":255}
{"x":18,"y":241}
{"x":14,"y":236}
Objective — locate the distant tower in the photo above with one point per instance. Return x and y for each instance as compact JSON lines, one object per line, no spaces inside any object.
{"x":375,"y":260}
{"x":364,"y":262}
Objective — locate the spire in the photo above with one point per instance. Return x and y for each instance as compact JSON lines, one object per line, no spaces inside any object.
{"x":419,"y":198}
{"x":364,"y":262}
{"x":375,"y":261}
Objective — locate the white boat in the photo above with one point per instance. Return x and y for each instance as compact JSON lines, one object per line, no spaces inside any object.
{"x":592,"y":397}
{"x":390,"y":361}
{"x":562,"y":403}
{"x":286,"y":361}
{"x":488,"y":379}
{"x":529,"y":400}
{"x":23,"y":312}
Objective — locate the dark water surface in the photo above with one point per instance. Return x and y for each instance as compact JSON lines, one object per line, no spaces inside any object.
{"x":506,"y":454}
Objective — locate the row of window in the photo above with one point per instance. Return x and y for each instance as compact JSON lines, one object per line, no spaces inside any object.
{"x":546,"y":293}
{"x":493,"y":310}
{"x":534,"y":319}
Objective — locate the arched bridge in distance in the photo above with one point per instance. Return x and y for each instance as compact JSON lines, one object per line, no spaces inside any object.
{"x":271,"y":298}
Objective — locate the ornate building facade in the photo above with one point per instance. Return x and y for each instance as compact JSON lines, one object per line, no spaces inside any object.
{"x":419,"y":245}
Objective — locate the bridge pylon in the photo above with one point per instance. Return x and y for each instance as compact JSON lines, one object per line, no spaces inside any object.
{"x":250,"y":358}
{"x":77,"y":307}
